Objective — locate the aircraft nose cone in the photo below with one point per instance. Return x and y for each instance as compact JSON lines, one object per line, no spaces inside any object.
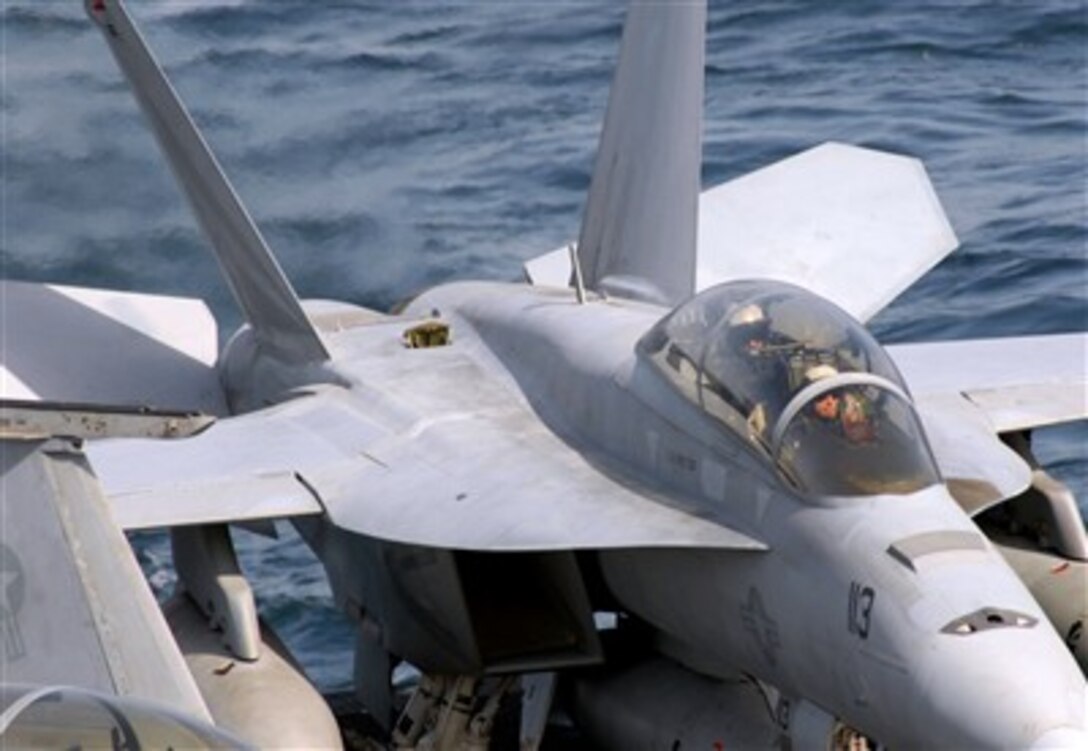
{"x":1005,"y":688}
{"x":1040,"y":688}
{"x":1061,"y":738}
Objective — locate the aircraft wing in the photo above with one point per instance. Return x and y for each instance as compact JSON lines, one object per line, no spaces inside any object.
{"x":443,"y":456}
{"x":92,"y":346}
{"x":75,"y":609}
{"x":969,"y":392}
{"x":1019,"y":382}
{"x":856,"y":226}
{"x":247,"y":468}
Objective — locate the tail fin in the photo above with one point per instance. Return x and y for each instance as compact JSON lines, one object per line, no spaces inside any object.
{"x":259,"y":285}
{"x":638,"y":232}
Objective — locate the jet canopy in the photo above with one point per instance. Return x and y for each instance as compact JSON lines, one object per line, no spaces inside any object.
{"x":804,"y":383}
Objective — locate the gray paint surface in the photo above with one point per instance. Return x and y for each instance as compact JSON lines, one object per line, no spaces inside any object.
{"x":540,"y":428}
{"x":76,"y":609}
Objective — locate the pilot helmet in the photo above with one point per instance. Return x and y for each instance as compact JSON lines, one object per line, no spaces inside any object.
{"x":747,"y":315}
{"x":819,"y":372}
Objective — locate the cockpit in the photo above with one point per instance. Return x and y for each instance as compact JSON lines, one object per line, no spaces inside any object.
{"x":801,"y":381}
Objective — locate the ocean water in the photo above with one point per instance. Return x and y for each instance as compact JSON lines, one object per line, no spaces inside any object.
{"x":384,"y":147}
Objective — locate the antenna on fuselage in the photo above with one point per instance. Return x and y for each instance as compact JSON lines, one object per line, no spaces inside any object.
{"x":267,"y":299}
{"x":576,"y":265}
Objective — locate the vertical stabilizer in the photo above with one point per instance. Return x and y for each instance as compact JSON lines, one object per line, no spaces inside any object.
{"x":259,"y":285}
{"x":638,"y":232}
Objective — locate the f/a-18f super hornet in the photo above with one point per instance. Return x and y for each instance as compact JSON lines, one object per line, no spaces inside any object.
{"x":673,"y":475}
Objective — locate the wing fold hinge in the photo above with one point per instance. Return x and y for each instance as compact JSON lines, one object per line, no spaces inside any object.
{"x":35,"y":421}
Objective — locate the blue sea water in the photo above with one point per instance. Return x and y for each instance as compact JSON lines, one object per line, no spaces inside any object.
{"x":384,"y":147}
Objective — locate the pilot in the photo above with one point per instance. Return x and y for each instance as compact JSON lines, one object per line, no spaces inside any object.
{"x":849,"y":410}
{"x":748,"y":328}
{"x":749,"y":334}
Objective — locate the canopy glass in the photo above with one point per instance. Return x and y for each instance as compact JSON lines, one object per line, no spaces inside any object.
{"x":799,"y":379}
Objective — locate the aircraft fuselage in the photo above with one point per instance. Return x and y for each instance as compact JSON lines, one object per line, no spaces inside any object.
{"x":883,"y":610}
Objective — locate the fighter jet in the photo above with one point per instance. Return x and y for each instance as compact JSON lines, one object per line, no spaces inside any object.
{"x":673,"y":474}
